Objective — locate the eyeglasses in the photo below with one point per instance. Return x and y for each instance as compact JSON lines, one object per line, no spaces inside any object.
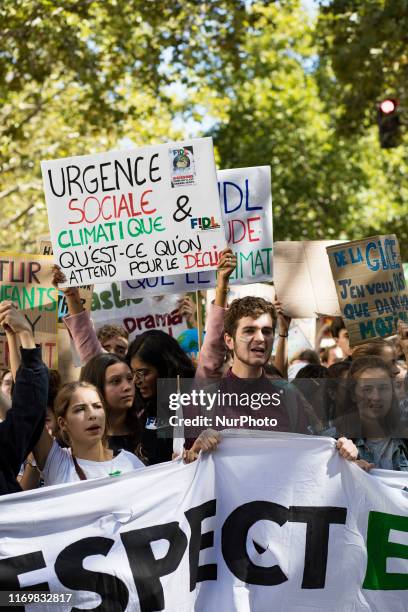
{"x":139,"y":375}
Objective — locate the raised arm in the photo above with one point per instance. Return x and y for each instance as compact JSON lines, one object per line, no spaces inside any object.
{"x":78,"y":322}
{"x":212,"y":355}
{"x":281,"y":357}
{"x":25,"y":420}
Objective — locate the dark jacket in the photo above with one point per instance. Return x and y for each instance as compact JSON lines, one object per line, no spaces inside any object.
{"x":24,"y":422}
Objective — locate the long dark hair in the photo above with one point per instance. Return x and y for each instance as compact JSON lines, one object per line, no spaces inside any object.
{"x":94,"y":372}
{"x":163,"y":352}
{"x":160,"y":350}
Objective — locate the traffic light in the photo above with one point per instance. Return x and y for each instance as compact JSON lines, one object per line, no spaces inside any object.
{"x":389,"y":123}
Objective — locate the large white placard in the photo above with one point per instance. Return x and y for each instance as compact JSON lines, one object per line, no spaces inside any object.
{"x":135,"y":213}
{"x":246,"y":206}
{"x":264,"y":523}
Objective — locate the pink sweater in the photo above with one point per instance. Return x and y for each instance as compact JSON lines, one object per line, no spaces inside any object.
{"x":82,"y":332}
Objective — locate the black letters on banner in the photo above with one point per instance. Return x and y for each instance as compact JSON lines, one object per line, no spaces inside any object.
{"x":234,"y":542}
{"x":71,"y":573}
{"x":318,"y":520}
{"x":200,"y":541}
{"x":146,"y":569}
{"x":13,"y":566}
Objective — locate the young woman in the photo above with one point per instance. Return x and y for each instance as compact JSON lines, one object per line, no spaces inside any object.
{"x":378,"y":348}
{"x":154,"y":355}
{"x":6,"y":383}
{"x":113,"y":378}
{"x":81,"y":417}
{"x":372,"y":395}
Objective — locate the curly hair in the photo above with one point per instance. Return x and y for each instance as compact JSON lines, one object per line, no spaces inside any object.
{"x":248,"y":306}
{"x":106,"y":332}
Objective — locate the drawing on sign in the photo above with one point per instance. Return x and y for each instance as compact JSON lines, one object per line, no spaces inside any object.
{"x":182,"y":166}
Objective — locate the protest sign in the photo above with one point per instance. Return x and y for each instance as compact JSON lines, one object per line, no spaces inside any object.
{"x":243,"y":528}
{"x":138,"y":314}
{"x":370,"y":285}
{"x":26,"y":280}
{"x":85,"y":291}
{"x":246,"y":206}
{"x":136,"y":213}
{"x":303,"y":280}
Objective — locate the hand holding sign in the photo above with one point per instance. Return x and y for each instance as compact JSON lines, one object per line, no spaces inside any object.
{"x":227,"y":264}
{"x":13,"y":320}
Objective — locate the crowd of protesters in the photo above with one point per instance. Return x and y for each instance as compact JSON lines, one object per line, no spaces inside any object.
{"x":107,"y":422}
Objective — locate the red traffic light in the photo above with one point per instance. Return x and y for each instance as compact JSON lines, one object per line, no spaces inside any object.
{"x":388,"y":106}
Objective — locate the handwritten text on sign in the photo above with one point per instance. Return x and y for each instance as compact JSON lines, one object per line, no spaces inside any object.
{"x":134,"y":214}
{"x":370,"y":285}
{"x":246,"y":206}
{"x":26,"y":280}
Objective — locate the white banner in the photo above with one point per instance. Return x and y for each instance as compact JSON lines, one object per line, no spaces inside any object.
{"x":136,"y":315}
{"x":246,"y":206}
{"x":134,"y":213}
{"x":263,"y":523}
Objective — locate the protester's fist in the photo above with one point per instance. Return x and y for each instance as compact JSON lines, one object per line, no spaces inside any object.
{"x":12,"y":319}
{"x":364,"y":465}
{"x":187,"y":309}
{"x":283,"y":320}
{"x":208,"y":440}
{"x":347,"y":449}
{"x":59,"y":277}
{"x":226,"y":263}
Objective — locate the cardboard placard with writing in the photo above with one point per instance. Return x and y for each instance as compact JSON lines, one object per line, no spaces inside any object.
{"x":134,"y":213}
{"x":26,"y":280}
{"x":246,"y":207}
{"x":303,"y":279}
{"x":371,"y":287}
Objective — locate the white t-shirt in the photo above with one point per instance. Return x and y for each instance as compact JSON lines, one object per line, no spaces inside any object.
{"x":59,"y":467}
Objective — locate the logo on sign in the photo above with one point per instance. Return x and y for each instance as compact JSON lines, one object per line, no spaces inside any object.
{"x":204,"y":223}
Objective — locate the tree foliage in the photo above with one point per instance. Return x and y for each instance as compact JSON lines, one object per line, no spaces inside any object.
{"x":80,"y":76}
{"x":76,"y":76}
{"x":366,"y":44}
{"x":325,"y":183}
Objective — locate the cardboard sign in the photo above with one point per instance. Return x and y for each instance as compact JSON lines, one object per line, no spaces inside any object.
{"x":134,"y":214}
{"x":85,"y":291}
{"x":136,"y":315}
{"x":303,"y":279}
{"x":26,"y":280}
{"x":370,"y":285}
{"x":246,"y":206}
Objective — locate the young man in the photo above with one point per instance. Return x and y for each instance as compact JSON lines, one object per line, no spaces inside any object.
{"x":24,"y":422}
{"x":114,"y":339}
{"x":341,"y":336}
{"x":248,"y":328}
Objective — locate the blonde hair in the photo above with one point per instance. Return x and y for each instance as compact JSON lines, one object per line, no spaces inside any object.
{"x":62,"y":402}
